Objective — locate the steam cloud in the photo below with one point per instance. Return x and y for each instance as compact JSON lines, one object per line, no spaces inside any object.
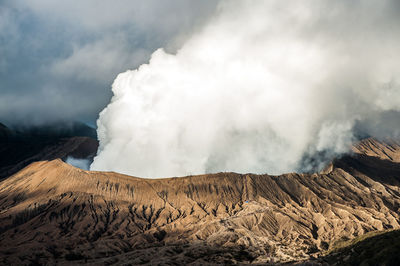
{"x":262,"y":86}
{"x":83,"y":164}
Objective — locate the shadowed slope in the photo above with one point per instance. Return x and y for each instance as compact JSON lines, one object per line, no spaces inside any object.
{"x":375,"y":248}
{"x":53,"y":211}
{"x":22,"y":146}
{"x":15,"y":155}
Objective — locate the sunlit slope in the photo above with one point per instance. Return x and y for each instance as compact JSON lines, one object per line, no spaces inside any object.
{"x":53,"y":211}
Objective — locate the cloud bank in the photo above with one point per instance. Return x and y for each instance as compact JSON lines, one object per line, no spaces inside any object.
{"x":261,"y":87}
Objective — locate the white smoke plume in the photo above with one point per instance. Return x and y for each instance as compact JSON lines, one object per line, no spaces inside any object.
{"x":83,"y":164}
{"x":264,"y":84}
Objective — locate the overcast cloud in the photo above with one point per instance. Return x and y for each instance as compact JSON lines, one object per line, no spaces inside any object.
{"x":58,"y":59}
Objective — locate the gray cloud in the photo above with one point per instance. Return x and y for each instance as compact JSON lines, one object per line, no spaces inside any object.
{"x":58,"y":59}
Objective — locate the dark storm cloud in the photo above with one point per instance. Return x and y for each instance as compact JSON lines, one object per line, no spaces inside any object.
{"x":58,"y":59}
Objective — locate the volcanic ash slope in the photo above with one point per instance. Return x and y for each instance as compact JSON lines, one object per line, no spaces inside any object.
{"x":52,"y":212}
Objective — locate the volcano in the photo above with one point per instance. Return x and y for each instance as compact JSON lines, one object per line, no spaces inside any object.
{"x":52,"y":212}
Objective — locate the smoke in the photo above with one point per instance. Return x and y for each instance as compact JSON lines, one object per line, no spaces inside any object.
{"x":264,"y":85}
{"x":83,"y":164}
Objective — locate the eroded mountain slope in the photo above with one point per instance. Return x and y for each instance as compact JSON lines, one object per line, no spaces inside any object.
{"x":52,"y":212}
{"x":19,"y":148}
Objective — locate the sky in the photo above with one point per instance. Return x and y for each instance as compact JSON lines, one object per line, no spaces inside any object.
{"x":59,"y":59}
{"x":179,"y":87}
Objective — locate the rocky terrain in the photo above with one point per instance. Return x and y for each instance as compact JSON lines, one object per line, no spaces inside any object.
{"x":51,"y":212}
{"x":373,"y":248}
{"x":22,"y":146}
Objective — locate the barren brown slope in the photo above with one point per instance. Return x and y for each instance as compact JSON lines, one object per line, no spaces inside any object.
{"x":388,"y":149}
{"x":52,"y":212}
